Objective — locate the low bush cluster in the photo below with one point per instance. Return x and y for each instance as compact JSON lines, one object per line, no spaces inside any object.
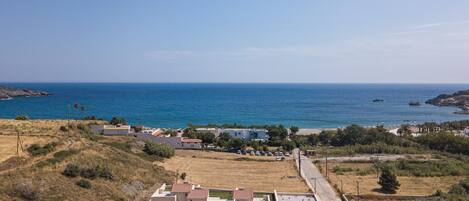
{"x":161,"y":150}
{"x":83,"y":183}
{"x":21,"y":117}
{"x":429,"y":168}
{"x":27,"y":191}
{"x":36,"y":149}
{"x":341,"y":170}
{"x":73,"y":170}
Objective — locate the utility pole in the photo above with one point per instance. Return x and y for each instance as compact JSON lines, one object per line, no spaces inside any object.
{"x":299,"y":162}
{"x":358,"y":187}
{"x":327,"y":176}
{"x":18,"y":142}
{"x":341,"y":186}
{"x":315,"y":185}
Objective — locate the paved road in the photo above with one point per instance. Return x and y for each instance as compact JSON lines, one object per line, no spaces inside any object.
{"x":324,"y":190}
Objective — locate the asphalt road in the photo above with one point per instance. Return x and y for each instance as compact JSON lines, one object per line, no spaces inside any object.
{"x":320,"y":185}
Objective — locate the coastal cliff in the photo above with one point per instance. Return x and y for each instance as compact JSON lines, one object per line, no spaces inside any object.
{"x":10,"y":92}
{"x":459,"y":99}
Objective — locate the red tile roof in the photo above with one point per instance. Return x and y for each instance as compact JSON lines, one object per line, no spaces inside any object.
{"x":181,"y":188}
{"x":243,"y":194}
{"x":200,"y":193}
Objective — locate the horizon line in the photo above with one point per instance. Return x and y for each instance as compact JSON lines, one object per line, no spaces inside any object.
{"x":118,"y":82}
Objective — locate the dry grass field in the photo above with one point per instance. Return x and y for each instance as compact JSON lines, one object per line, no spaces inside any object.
{"x":8,"y":145}
{"x":37,"y":131}
{"x":410,"y":186}
{"x":229,"y":170}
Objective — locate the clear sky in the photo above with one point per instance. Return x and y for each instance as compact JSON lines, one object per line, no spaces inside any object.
{"x":359,"y":41}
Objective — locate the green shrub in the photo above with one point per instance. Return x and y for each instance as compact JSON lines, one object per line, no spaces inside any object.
{"x":117,"y":120}
{"x":388,"y":181}
{"x":36,"y":149}
{"x":341,"y":170}
{"x":89,"y":173}
{"x":63,"y":129}
{"x":21,"y":117}
{"x":71,"y":170}
{"x":161,"y":150}
{"x":83,"y":183}
{"x":430,"y":168}
{"x":61,"y":155}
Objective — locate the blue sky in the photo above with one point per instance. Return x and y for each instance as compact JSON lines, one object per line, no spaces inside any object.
{"x":398,"y":41}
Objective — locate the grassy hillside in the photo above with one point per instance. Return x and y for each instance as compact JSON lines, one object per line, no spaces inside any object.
{"x":130,"y":175}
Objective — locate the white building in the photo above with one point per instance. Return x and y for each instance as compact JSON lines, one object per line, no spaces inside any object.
{"x":110,"y":129}
{"x":152,"y":131}
{"x":246,"y":133}
{"x":243,"y":133}
{"x":175,"y":142}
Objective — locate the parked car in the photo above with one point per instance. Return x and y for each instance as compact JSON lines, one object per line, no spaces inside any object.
{"x":287,"y":154}
{"x":258,"y":153}
{"x":269,"y":153}
{"x":252,"y":153}
{"x":238,"y":152}
{"x":263,"y":153}
{"x":243,"y":152}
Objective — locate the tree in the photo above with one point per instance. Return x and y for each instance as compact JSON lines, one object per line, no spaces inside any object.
{"x":351,"y":135}
{"x":190,"y":132}
{"x":207,"y":138}
{"x":276,"y":133}
{"x":161,"y":150}
{"x":118,"y":120}
{"x":313,"y":140}
{"x":388,"y":181}
{"x":183,"y":176}
{"x":224,"y":136}
{"x":288,"y":145}
{"x":236,"y":143}
{"x":294,"y":130}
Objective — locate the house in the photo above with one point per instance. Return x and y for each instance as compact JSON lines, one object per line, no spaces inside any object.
{"x":110,"y":129}
{"x":190,"y":192}
{"x":466,"y":131}
{"x":180,"y":192}
{"x":246,"y":133}
{"x":243,"y":133}
{"x":198,"y":194}
{"x":241,"y":194}
{"x":175,"y":142}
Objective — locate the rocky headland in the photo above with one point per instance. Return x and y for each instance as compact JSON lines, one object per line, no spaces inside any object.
{"x":10,"y":92}
{"x":459,"y":99}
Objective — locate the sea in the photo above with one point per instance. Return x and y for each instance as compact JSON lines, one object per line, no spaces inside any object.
{"x":175,"y":105}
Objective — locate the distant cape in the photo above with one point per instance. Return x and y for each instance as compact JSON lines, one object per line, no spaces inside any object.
{"x":7,"y":93}
{"x":459,"y":99}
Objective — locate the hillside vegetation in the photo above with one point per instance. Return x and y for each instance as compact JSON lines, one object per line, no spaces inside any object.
{"x":105,"y":172}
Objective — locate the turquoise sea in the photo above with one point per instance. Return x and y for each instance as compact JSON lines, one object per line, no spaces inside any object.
{"x":176,"y":105}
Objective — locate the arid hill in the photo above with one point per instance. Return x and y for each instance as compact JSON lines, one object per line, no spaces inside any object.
{"x":116,"y":168}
